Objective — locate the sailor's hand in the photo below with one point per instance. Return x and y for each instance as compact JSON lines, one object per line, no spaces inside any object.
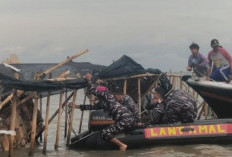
{"x":229,"y":78}
{"x":88,"y":76}
{"x":75,"y":105}
{"x":189,"y":68}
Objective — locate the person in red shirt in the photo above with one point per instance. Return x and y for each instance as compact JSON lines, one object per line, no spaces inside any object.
{"x":220,"y":62}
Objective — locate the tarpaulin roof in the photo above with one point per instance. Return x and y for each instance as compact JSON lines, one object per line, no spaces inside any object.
{"x":41,"y":85}
{"x":124,"y":66}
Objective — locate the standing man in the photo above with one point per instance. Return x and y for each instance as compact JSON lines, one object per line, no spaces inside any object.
{"x":197,"y":61}
{"x":221,"y":62}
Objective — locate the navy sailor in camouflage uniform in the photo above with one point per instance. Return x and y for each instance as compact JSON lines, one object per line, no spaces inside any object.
{"x":127,"y":102}
{"x":171,"y":106}
{"x":124,"y":119}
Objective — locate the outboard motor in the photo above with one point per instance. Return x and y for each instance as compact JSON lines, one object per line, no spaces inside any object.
{"x":99,"y":120}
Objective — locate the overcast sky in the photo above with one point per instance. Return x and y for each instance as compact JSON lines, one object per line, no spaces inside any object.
{"x":155,"y":33}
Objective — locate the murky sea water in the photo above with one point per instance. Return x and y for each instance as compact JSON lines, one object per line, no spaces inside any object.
{"x":162,"y":151}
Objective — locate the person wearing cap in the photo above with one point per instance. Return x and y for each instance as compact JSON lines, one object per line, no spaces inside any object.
{"x":124,"y":119}
{"x":197,"y":61}
{"x":126,"y":101}
{"x":171,"y":106}
{"x":220,"y":62}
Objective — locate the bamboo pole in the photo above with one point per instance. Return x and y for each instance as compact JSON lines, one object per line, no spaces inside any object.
{"x":82,"y":115}
{"x":59,"y":121}
{"x":46,"y":121}
{"x":139,"y":97}
{"x":41,"y":111}
{"x":42,"y":75}
{"x":66,"y":115}
{"x":71,"y":118}
{"x":46,"y":124}
{"x":12,"y":125}
{"x":13,"y":118}
{"x":124,"y":86}
{"x":34,"y":121}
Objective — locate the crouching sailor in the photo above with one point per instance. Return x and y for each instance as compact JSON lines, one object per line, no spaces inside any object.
{"x":124,"y":119}
{"x":127,"y":102}
{"x":171,"y":106}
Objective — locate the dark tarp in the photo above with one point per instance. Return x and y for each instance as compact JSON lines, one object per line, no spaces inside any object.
{"x":124,"y":66}
{"x":41,"y":85}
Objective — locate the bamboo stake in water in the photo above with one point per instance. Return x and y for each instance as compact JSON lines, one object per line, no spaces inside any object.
{"x":33,"y":129}
{"x":13,"y":118}
{"x":82,"y":115}
{"x":59,"y":121}
{"x":46,"y":121}
{"x":139,"y":97}
{"x":71,"y":118}
{"x":66,"y":115}
{"x":41,"y":111}
{"x":46,"y":124}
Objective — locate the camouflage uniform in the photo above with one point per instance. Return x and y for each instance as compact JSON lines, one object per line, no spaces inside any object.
{"x":177,"y":106}
{"x":129,"y":103}
{"x":124,"y":119}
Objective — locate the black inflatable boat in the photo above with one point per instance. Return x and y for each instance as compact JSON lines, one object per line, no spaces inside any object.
{"x":218,"y":131}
